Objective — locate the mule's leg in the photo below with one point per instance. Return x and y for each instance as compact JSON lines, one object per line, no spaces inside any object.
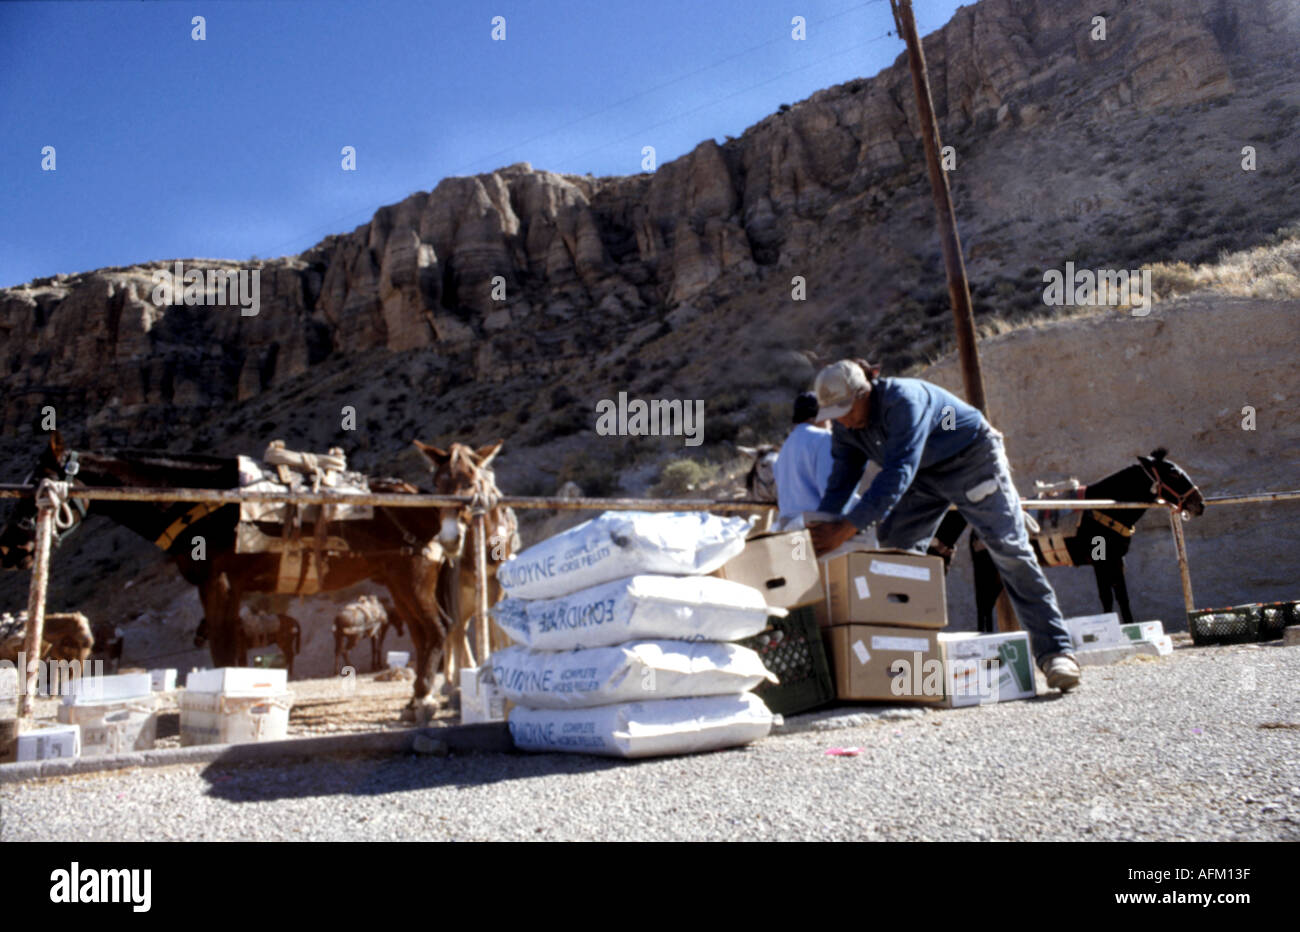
{"x":426,"y":637}
{"x":1121,"y":592}
{"x":221,"y":613}
{"x":988,"y":586}
{"x":338,"y":652}
{"x":1101,"y":568}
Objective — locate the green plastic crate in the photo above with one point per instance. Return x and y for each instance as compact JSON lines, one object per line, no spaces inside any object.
{"x":791,"y":647}
{"x":1239,"y":624}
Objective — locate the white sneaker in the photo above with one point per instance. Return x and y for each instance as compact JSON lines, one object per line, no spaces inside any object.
{"x":1062,"y":672}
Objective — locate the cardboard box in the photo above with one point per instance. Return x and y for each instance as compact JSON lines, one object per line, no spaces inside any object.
{"x":47,"y":742}
{"x":1091,"y":631}
{"x":1143,"y":630}
{"x":984,"y":668}
{"x":886,"y":587}
{"x":782,"y":566}
{"x":887,"y":664}
{"x":163,"y":681}
{"x":238,"y":681}
{"x":96,"y":689}
{"x":398,"y":658}
{"x":481,"y":700}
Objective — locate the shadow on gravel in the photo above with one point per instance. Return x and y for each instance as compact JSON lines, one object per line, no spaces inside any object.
{"x":392,"y":773}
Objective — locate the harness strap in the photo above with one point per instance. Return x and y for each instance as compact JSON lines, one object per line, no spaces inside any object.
{"x":194,"y":515}
{"x":1107,"y":521}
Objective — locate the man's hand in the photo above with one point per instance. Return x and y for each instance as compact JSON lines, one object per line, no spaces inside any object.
{"x":826,"y":537}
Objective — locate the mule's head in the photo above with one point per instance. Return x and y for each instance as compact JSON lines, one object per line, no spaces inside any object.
{"x":459,"y":470}
{"x":18,"y":537}
{"x":1171,"y":483}
{"x":760,"y":481}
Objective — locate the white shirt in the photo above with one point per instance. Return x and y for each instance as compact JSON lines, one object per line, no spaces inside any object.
{"x":802,"y":469}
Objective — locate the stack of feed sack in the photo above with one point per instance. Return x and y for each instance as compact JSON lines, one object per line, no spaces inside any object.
{"x":622,"y":644}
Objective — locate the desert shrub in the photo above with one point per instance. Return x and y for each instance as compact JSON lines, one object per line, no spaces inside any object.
{"x":682,"y":476}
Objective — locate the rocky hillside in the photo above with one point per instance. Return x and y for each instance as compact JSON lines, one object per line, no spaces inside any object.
{"x":507,"y":304}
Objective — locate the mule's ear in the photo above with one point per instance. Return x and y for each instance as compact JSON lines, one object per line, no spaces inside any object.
{"x":486,"y":453}
{"x":432,"y":454}
{"x":1159,"y":453}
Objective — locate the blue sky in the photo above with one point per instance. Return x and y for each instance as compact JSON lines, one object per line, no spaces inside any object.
{"x":230,"y":147}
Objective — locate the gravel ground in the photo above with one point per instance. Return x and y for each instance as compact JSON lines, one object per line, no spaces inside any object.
{"x":1203,"y":745}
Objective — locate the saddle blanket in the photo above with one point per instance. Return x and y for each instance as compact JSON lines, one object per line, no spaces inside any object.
{"x":1056,"y":526}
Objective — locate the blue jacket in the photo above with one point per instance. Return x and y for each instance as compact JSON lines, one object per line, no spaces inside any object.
{"x":802,"y":468}
{"x":904,"y":433}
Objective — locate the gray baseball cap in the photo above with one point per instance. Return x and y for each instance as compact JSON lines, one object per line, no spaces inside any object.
{"x":837,"y":387}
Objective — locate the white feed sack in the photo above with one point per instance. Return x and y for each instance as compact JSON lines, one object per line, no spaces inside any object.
{"x":631,"y":672}
{"x":623,"y":543}
{"x":644,"y":729}
{"x":682,"y":608}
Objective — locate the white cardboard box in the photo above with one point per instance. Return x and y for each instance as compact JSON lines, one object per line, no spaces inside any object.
{"x":398,"y":658}
{"x":163,"y":681}
{"x":94,"y":689}
{"x":48,"y":742}
{"x":223,"y":718}
{"x":239,"y":681}
{"x":1143,"y":630}
{"x":481,"y":700}
{"x":984,"y":668}
{"x":1089,"y":631}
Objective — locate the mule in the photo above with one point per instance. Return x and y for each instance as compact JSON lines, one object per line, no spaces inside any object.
{"x":1100,"y":540}
{"x":396,"y":548}
{"x":264,"y":629}
{"x":460,"y":470}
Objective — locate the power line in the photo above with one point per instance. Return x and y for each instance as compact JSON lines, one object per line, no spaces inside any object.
{"x":333,"y":225}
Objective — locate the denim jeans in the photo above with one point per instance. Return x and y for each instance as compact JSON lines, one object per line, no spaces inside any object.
{"x":978,"y":481}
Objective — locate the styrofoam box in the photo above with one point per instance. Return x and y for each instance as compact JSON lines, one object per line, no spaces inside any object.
{"x":481,"y":699}
{"x":1143,"y":630}
{"x":236,"y":681}
{"x":1162,"y":646}
{"x":8,"y":683}
{"x":48,"y":742}
{"x":222,"y":718}
{"x":108,"y":688}
{"x":1088,"y":631}
{"x":398,"y":658}
{"x":163,"y":681}
{"x":114,"y":727}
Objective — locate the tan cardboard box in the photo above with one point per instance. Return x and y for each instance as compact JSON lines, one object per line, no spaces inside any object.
{"x":782,"y":566}
{"x":887,"y":664}
{"x":887,"y":587}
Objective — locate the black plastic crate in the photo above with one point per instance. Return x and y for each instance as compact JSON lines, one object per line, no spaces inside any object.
{"x":791,"y":647}
{"x":1276,"y":617}
{"x":1239,"y":624}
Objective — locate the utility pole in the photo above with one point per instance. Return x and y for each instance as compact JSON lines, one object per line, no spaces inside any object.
{"x":958,"y":286}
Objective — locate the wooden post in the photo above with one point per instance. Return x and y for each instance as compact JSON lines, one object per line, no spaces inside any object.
{"x":958,"y":286}
{"x":46,"y":508}
{"x":483,"y":649}
{"x":1180,"y":545}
